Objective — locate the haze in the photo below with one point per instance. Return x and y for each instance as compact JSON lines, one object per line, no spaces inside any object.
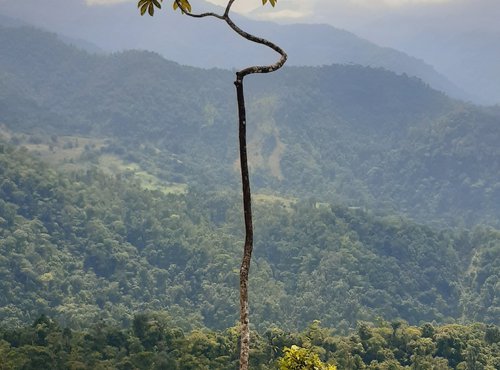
{"x":458,"y":38}
{"x":356,"y":15}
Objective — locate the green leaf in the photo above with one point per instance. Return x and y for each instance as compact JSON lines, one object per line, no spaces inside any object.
{"x":151,"y":9}
{"x":183,"y":4}
{"x":144,"y":7}
{"x":149,"y":5}
{"x":186,"y":5}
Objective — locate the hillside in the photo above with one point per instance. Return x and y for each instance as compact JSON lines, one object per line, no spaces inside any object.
{"x":144,"y":213}
{"x":354,"y":135}
{"x":376,"y":205}
{"x":84,"y":247}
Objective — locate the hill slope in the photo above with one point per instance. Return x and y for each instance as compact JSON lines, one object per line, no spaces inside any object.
{"x":88,"y":246}
{"x":365,"y":137}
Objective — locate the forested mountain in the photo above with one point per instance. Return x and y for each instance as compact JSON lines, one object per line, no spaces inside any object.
{"x":135,"y":222}
{"x":360,"y":136}
{"x":87,"y":246}
{"x":116,"y":27}
{"x":376,"y":199}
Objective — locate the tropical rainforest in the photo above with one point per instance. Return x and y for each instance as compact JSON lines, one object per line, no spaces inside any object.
{"x":377,"y":208}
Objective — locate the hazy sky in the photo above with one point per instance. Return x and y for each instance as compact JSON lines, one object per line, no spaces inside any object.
{"x":308,"y":8}
{"x":305,"y":8}
{"x":359,"y":15}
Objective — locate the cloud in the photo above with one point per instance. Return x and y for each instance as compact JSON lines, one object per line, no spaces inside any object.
{"x":105,"y":2}
{"x":398,"y":2}
{"x":241,"y":6}
{"x":357,"y":14}
{"x":297,"y":6}
{"x":296,"y":9}
{"x":337,"y":12}
{"x":287,"y":14}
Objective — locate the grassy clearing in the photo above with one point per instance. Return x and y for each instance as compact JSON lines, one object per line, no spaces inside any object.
{"x":115,"y":165}
{"x":274,"y":199}
{"x":76,"y":153}
{"x":56,"y":150}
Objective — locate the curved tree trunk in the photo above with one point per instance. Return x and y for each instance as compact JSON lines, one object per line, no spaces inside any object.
{"x":248,"y":246}
{"x":245,"y":178}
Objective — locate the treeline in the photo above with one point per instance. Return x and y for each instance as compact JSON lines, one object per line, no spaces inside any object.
{"x":153,"y":341}
{"x":87,"y":246}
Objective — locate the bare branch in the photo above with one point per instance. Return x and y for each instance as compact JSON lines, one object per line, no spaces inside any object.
{"x":225,"y":17}
{"x":228,"y":7}
{"x":201,"y":15}
{"x":258,"y":40}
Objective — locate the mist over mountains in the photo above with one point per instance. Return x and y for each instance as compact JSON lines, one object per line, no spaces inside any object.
{"x":362,"y":136}
{"x":207,"y":43}
{"x":466,"y":51}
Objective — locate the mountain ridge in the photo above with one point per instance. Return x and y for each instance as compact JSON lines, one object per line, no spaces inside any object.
{"x":357,"y":135}
{"x":207,"y":43}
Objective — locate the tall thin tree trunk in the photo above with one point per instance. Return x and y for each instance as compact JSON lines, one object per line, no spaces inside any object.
{"x":245,"y":179}
{"x":247,"y":210}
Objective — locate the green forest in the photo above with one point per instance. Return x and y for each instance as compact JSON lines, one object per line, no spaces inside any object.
{"x":152,"y":341}
{"x":377,"y":208}
{"x":88,"y":246}
{"x":344,"y":134}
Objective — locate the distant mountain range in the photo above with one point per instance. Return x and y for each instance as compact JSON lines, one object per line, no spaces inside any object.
{"x":208,"y":43}
{"x":458,"y":38}
{"x":361,"y":136}
{"x":471,"y":59}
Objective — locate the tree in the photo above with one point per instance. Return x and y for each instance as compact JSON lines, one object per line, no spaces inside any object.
{"x":298,"y":358}
{"x":185,"y":7}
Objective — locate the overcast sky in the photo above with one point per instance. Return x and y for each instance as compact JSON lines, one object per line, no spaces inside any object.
{"x":314,"y":9}
{"x":362,"y":16}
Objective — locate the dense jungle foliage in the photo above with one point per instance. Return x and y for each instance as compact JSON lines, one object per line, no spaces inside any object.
{"x":152,"y":341}
{"x":88,"y":246}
